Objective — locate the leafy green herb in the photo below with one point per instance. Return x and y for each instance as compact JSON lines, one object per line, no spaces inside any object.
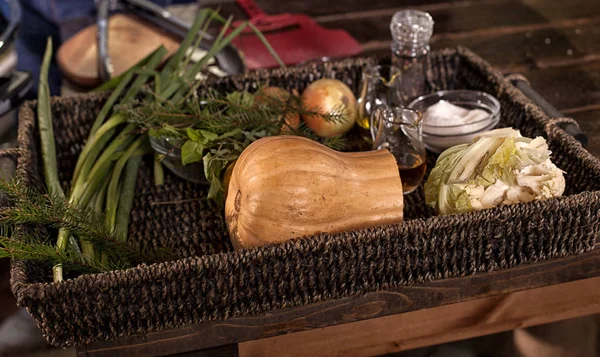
{"x":215,"y":128}
{"x":191,"y":151}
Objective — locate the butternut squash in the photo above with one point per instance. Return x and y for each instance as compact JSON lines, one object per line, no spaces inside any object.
{"x":285,"y":187}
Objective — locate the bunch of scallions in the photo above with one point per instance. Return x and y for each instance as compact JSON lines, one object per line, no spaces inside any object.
{"x":105,"y":174}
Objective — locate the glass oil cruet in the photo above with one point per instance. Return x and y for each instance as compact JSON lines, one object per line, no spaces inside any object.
{"x":380,"y":84}
{"x":400,"y":132}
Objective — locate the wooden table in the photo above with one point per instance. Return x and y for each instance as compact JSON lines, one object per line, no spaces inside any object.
{"x":556,"y":45}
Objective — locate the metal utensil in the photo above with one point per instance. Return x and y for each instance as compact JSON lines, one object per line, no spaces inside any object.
{"x":105,"y":68}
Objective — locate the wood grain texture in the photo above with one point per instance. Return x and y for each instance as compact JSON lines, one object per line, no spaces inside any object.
{"x":540,"y":47}
{"x":130,"y":39}
{"x":352,"y":309}
{"x":473,"y":19}
{"x":525,"y":48}
{"x":221,"y":351}
{"x":436,"y":325}
{"x":514,"y":36}
{"x":568,"y":87}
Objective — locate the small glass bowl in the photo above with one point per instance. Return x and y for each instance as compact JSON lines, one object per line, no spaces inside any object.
{"x":169,"y":148}
{"x":438,"y":138}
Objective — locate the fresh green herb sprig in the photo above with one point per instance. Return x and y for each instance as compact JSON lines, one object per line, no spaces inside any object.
{"x":67,"y":258}
{"x":52,"y":211}
{"x":221,"y":113}
{"x":215,"y":128}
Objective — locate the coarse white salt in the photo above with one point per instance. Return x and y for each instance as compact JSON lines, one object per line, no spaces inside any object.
{"x":438,"y":117}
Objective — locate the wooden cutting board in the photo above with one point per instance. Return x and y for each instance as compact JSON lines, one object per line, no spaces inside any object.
{"x":129,"y":40}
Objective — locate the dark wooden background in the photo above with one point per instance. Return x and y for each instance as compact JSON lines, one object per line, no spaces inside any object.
{"x":554,"y":43}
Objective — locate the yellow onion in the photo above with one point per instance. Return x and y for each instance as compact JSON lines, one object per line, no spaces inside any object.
{"x":292,"y":120}
{"x":329,"y":96}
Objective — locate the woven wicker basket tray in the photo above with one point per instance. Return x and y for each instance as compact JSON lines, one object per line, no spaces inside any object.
{"x":211,"y":281}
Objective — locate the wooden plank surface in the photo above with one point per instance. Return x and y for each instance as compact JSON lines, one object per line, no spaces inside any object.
{"x":543,"y":46}
{"x":325,"y":10}
{"x":464,"y":19}
{"x":569,"y":87}
{"x":535,"y":47}
{"x":527,"y":35}
{"x":436,"y":325}
{"x":342,"y":311}
{"x":333,"y":11}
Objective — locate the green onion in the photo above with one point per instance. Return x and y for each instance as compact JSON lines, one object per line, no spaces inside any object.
{"x":126,"y":197}
{"x":159,"y":173}
{"x":101,"y":198}
{"x":175,"y":60}
{"x":96,"y":181}
{"x":153,"y":62}
{"x":190,"y":75}
{"x":115,"y":81}
{"x":122,"y":140}
{"x":112,"y":196}
{"x":266,"y":43}
{"x":44,"y":114}
{"x":94,"y":146}
{"x":110,"y":102}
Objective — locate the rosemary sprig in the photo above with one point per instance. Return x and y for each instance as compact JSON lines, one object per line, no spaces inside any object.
{"x":216,"y":127}
{"x":68,"y":259}
{"x":33,"y":209}
{"x":220,"y":113}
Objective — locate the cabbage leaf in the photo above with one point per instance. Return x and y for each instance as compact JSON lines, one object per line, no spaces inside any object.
{"x":498,"y":167}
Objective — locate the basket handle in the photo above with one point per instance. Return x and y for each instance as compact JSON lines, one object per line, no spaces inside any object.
{"x":571,"y":126}
{"x":8,"y":168}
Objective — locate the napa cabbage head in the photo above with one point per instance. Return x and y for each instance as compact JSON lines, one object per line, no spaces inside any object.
{"x":497,"y":167}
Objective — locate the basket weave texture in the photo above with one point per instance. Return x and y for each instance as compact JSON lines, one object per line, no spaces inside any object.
{"x":212,"y":281}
